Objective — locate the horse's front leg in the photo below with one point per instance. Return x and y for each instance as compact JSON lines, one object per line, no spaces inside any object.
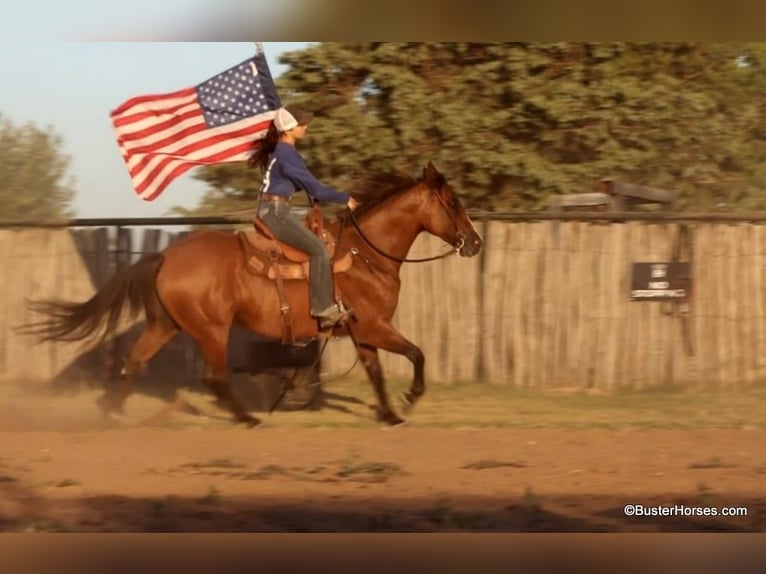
{"x":371,"y":362}
{"x":384,"y":336}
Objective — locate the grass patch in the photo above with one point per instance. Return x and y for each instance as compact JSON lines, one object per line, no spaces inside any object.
{"x":704,"y":496}
{"x":484,"y":405}
{"x":158,"y":508}
{"x":213,"y":496}
{"x":370,"y":471}
{"x":475,"y":405}
{"x":712,"y":462}
{"x":530,"y":502}
{"x":213,"y":464}
{"x":491,"y":463}
{"x":265,"y":472}
{"x":44,"y":525}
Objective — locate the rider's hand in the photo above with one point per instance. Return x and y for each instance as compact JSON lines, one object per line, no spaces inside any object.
{"x":351,"y":203}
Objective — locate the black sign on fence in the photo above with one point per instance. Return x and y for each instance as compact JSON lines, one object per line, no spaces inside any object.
{"x":660,"y":281}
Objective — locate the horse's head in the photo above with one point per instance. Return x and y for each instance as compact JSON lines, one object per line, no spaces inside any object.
{"x":445,"y":215}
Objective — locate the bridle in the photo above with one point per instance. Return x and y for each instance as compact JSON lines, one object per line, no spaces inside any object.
{"x":455,"y":248}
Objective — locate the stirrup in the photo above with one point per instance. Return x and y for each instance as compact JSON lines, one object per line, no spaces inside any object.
{"x":337,"y":318}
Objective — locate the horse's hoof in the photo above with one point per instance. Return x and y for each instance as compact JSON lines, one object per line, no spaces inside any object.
{"x":109,"y":406}
{"x":395,"y":421}
{"x":250,"y":421}
{"x":407,"y":403}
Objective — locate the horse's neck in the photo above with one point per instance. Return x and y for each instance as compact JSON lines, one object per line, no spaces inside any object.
{"x":393,"y":226}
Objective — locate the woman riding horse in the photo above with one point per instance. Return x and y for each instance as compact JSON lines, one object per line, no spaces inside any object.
{"x":285,"y":172}
{"x":201,"y":285}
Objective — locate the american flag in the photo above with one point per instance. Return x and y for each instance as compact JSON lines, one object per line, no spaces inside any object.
{"x":163,"y":136}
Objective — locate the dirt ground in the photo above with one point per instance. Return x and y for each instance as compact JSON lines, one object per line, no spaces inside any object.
{"x":63,"y":469}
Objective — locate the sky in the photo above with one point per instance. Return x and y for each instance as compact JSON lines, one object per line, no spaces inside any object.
{"x":72,"y":87}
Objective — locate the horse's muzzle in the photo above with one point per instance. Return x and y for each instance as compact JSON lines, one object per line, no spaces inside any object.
{"x":468,"y":246}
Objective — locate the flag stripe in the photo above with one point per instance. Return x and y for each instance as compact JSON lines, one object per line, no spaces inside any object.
{"x":160,"y":99}
{"x":162,"y":136}
{"x":153,"y":163}
{"x":149,"y":192}
{"x":173,"y":125}
{"x":140,"y":157}
{"x":146,"y":115}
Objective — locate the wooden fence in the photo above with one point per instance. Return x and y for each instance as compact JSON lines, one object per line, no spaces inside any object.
{"x":547,"y":304}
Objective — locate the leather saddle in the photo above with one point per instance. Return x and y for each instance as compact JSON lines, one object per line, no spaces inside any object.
{"x":267,"y":256}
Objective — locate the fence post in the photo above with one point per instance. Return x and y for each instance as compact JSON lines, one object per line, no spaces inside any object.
{"x":122,"y":259}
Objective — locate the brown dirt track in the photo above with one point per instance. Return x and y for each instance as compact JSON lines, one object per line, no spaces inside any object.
{"x":62,"y":470}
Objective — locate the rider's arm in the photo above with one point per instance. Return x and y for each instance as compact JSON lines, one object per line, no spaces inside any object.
{"x":295,"y":168}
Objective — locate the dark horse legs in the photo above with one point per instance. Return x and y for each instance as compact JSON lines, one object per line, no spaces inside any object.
{"x":154,"y":337}
{"x":384,"y":336}
{"x":213,"y":347}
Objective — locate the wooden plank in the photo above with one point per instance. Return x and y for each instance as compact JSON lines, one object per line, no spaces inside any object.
{"x":577,"y":270}
{"x":736,"y":293}
{"x":730,"y":310}
{"x":494,"y":301}
{"x":102,"y":260}
{"x":718,"y":306}
{"x":638,"y":315}
{"x":536,"y":317}
{"x":661,"y":322}
{"x":150,"y":241}
{"x":672,"y":342}
{"x":685,"y":370}
{"x":642,"y":367}
{"x":598,"y":322}
{"x":616,"y":293}
{"x":588,"y":337}
{"x":560,"y":277}
{"x":504,"y":324}
{"x":743,"y":287}
{"x":757,"y":296}
{"x":706,"y":310}
{"x":626,"y":363}
{"x":552,"y":296}
{"x":520,"y":307}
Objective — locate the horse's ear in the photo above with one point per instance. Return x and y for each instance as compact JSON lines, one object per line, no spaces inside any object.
{"x":432,"y":175}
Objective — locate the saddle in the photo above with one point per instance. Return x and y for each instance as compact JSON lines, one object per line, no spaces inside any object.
{"x":266,"y":256}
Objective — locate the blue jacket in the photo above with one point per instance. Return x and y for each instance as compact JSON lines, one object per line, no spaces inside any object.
{"x":287,"y":172}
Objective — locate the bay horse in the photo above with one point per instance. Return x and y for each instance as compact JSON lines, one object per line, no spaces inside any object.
{"x":200,"y":284}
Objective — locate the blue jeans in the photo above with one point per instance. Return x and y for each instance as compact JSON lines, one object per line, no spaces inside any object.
{"x":290,"y":229}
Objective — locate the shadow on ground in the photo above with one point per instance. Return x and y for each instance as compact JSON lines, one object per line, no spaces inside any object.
{"x":215,"y":512}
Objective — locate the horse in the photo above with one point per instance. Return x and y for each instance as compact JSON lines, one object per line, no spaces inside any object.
{"x":201,"y":284}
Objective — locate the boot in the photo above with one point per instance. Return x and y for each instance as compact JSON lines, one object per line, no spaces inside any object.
{"x":330,"y":317}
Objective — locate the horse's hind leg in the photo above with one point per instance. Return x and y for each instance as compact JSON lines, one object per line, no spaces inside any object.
{"x":213,"y":346}
{"x":154,"y":337}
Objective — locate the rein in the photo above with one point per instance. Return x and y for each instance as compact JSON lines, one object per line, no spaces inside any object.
{"x":455,"y":249}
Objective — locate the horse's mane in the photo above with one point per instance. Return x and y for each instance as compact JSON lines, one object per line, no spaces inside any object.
{"x":375,"y":189}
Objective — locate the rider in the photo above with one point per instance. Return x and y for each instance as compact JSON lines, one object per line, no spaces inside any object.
{"x":285,"y":172}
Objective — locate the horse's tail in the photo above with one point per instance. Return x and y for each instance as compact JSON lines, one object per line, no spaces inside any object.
{"x":128,"y":290}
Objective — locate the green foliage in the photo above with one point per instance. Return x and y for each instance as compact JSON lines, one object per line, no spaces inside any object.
{"x":512,"y":124}
{"x":32,"y":172}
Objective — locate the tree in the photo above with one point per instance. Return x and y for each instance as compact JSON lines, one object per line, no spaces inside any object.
{"x":512,"y":124}
{"x":32,"y":173}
